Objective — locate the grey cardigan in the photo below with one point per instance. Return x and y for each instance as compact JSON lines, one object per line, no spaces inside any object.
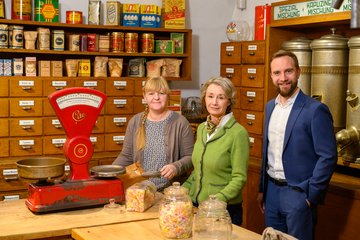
{"x":179,"y":140}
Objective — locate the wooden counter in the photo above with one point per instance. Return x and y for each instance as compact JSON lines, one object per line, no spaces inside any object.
{"x":148,"y":229}
{"x":18,"y":222}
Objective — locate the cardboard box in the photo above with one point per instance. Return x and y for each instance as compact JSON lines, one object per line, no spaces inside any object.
{"x":1,"y":67}
{"x":174,"y":14}
{"x":56,"y":68}
{"x":7,"y":67}
{"x":148,"y":14}
{"x":30,"y":66}
{"x":113,"y":13}
{"x":46,"y":10}
{"x":18,"y":67}
{"x":84,"y":68}
{"x":164,"y":46}
{"x":44,"y":68}
{"x":131,"y":15}
{"x":178,"y":39}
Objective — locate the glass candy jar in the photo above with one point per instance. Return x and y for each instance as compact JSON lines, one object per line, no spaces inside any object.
{"x":176,"y":212}
{"x":212,"y":220}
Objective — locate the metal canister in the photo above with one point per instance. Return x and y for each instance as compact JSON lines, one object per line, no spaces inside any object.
{"x":117,"y":42}
{"x":131,"y":42}
{"x":74,"y":17}
{"x":21,"y":9}
{"x":147,"y":43}
{"x":4,"y":36}
{"x":16,"y":38}
{"x":58,"y":40}
{"x":329,"y":73}
{"x":300,"y":46}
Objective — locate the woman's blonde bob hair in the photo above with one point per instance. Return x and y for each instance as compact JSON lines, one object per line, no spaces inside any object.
{"x":226,"y":85}
{"x":152,"y":84}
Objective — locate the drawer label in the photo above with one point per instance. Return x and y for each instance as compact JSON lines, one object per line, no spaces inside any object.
{"x":93,"y":139}
{"x":58,"y":140}
{"x":252,"y":47}
{"x":118,"y":138}
{"x":11,"y":197}
{"x":26,"y":142}
{"x":143,"y":101}
{"x":120,"y":120}
{"x":67,"y":167}
{"x":26,"y":83}
{"x":250,"y":94}
{"x":251,"y":140}
{"x":229,"y":70}
{"x":120,"y":83}
{"x":251,"y":70}
{"x":26,"y":122}
{"x":58,"y":83}
{"x":90,"y":84}
{"x":143,"y":83}
{"x":23,"y":103}
{"x":120,"y":101}
{"x":55,"y":122}
{"x":250,"y":116}
{"x":230,"y":48}
{"x":9,"y":172}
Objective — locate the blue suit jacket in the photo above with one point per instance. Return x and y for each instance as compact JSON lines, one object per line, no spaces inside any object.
{"x":310,"y":153}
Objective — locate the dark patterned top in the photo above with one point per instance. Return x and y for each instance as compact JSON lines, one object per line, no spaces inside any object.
{"x":154,"y":151}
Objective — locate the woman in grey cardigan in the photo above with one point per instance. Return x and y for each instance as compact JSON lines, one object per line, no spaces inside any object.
{"x":161,"y":139}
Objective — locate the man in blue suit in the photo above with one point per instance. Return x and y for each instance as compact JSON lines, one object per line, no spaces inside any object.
{"x":299,"y":153}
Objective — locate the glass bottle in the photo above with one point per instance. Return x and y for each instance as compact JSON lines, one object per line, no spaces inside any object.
{"x":176,"y":212}
{"x":212,"y":221}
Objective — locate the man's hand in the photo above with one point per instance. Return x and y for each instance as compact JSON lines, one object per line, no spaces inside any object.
{"x":260,"y":200}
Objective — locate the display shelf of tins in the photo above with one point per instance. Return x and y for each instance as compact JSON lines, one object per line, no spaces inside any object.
{"x":290,"y":22}
{"x":29,"y":127}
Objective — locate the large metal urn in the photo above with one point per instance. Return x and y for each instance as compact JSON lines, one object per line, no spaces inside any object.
{"x":329,"y":74}
{"x":349,"y":139}
{"x":300,"y":46}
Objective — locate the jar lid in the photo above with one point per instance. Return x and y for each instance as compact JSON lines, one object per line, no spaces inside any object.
{"x":330,"y":41}
{"x":354,"y":41}
{"x":298,"y":43}
{"x":213,"y":205}
{"x":175,"y":190}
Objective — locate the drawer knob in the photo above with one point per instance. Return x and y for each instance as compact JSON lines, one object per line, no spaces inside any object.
{"x":120,"y":106}
{"x":58,"y":126}
{"x":119,"y":142}
{"x":26,"y":147}
{"x":11,"y":178}
{"x":250,"y":100}
{"x":228,"y":53}
{"x":59,"y":145}
{"x":229,"y":75}
{"x":26,"y":127}
{"x":120,"y":88}
{"x":251,"y":77}
{"x":27,"y":88}
{"x":250,"y":123}
{"x":58,"y":88}
{"x":26,"y":108}
{"x":252,"y":53}
{"x":119,"y":124}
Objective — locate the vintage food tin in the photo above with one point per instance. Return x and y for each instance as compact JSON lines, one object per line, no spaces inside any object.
{"x":117,"y":42}
{"x":2,"y":9}
{"x":164,"y":46}
{"x":113,"y":13}
{"x":93,"y":42}
{"x":178,"y":39}
{"x":94,"y":12}
{"x":58,"y":40}
{"x":131,"y":15}
{"x":16,"y":37}
{"x":148,"y":16}
{"x":104,"y":43}
{"x":74,"y":17}
{"x":21,"y":9}
{"x":131,"y":42}
{"x":4,"y":36}
{"x":147,"y":43}
{"x":46,"y":10}
{"x":174,"y":14}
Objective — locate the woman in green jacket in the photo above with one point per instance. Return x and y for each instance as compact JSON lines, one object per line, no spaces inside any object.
{"x":221,"y":151}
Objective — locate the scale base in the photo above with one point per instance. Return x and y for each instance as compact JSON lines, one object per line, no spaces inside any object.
{"x":74,"y":194}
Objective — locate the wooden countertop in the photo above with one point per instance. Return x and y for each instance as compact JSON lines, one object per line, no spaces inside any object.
{"x":18,"y":222}
{"x":139,"y":230}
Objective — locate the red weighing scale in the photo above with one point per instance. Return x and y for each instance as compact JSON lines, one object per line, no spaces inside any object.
{"x":77,"y":109}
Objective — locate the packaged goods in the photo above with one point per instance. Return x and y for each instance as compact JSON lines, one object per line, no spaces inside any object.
{"x":262,"y":19}
{"x":147,"y":43}
{"x":113,"y":13}
{"x":136,"y":67}
{"x":30,"y":66}
{"x":171,"y":67}
{"x":8,"y":67}
{"x":104,"y":43}
{"x":153,"y":68}
{"x":44,"y":68}
{"x":21,"y":9}
{"x":100,"y":66}
{"x":4,"y":35}
{"x":148,"y":15}
{"x":83,"y":43}
{"x":131,"y":42}
{"x":117,"y":42}
{"x":115,"y":67}
{"x":56,"y":68}
{"x":1,"y":67}
{"x":74,"y":17}
{"x":18,"y":67}
{"x":58,"y":40}
{"x":72,"y":67}
{"x":16,"y":37}
{"x":178,"y":39}
{"x":174,"y":14}
{"x":46,"y":10}
{"x":94,"y":12}
{"x":84,"y":68}
{"x":164,"y":46}
{"x":43,"y":42}
{"x":2,"y":9}
{"x":92,"y":42}
{"x":158,"y":17}
{"x":74,"y":42}
{"x":131,"y":15}
{"x":140,"y":196}
{"x":30,"y":39}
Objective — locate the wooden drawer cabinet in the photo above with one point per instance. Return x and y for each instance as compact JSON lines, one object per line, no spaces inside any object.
{"x":116,"y":87}
{"x":230,"y":53}
{"x":4,"y":147}
{"x":114,"y":142}
{"x":26,"y":146}
{"x":116,"y":123}
{"x":26,"y":87}
{"x":252,"y":121}
{"x":252,"y":99}
{"x":52,"y":85}
{"x":99,"y":126}
{"x":26,"y":127}
{"x":253,"y":52}
{"x":52,"y":126}
{"x":119,"y":105}
{"x":252,"y":76}
{"x":232,"y":72}
{"x":256,"y":142}
{"x":96,"y":84}
{"x":98,"y":142}
{"x":9,"y":178}
{"x":13,"y":195}
{"x":26,"y":107}
{"x":139,"y":104}
{"x":4,"y":127}
{"x":4,"y":109}
{"x":138,"y":85}
{"x":54,"y":144}
{"x":4,"y":89}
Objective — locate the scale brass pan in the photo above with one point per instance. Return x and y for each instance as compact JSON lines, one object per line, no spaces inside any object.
{"x":107,"y":171}
{"x":41,"y":168}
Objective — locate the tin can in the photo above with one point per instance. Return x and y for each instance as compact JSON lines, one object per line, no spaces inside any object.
{"x":117,"y":42}
{"x":16,"y":39}
{"x":131,"y":42}
{"x":92,"y":42}
{"x":74,"y":17}
{"x":147,"y":43}
{"x":21,"y":9}
{"x":4,"y":36}
{"x":58,"y":40}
